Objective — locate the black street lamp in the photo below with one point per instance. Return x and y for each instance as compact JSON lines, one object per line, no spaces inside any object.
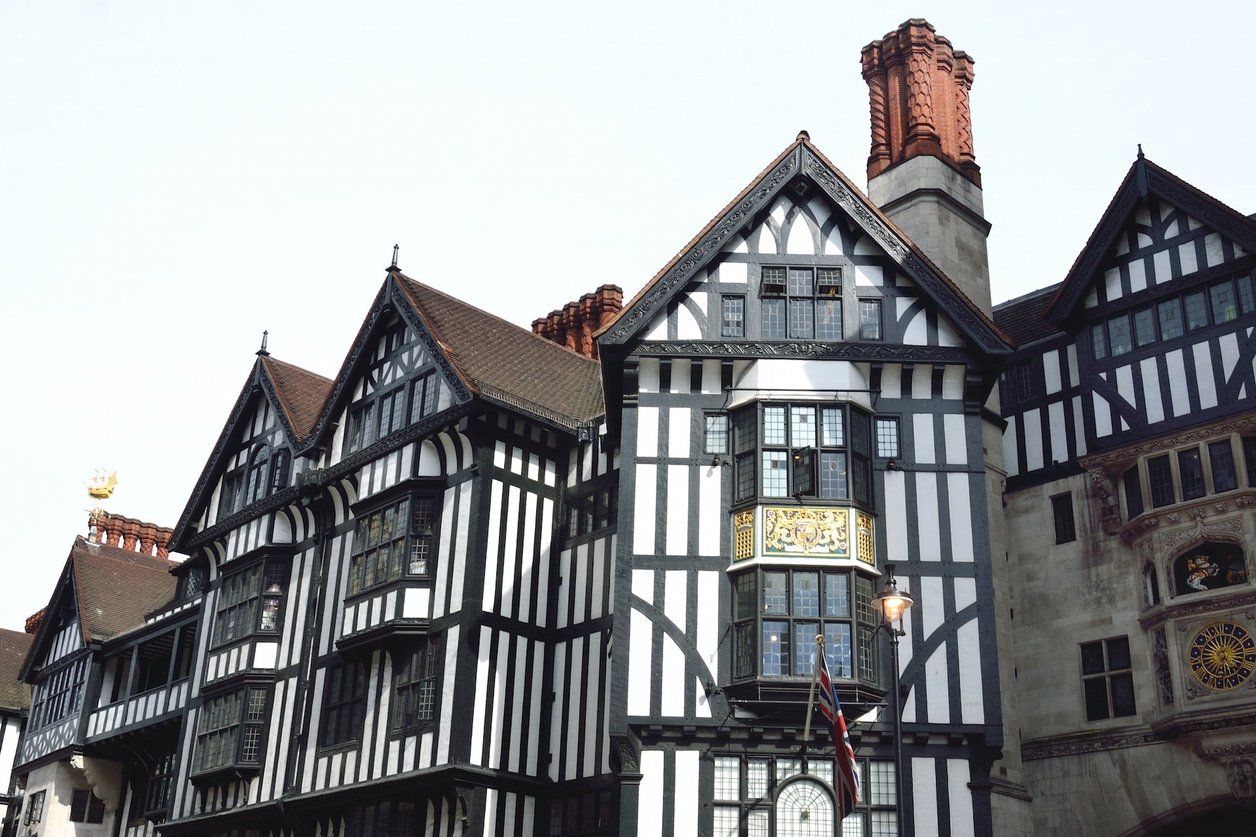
{"x":893,"y":605}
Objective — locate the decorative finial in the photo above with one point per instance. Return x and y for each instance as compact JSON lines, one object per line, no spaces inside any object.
{"x":1140,"y":151}
{"x":396,"y":251}
{"x":262,"y":351}
{"x":99,"y":488}
{"x":803,"y":136}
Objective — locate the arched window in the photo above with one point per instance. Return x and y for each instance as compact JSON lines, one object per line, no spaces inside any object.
{"x":1208,"y":566}
{"x":804,"y":808}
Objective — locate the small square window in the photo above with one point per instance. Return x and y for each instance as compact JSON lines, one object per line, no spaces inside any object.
{"x":1107,"y":682}
{"x":733,"y":314}
{"x":869,"y":319}
{"x":887,"y":438}
{"x":716,"y":433}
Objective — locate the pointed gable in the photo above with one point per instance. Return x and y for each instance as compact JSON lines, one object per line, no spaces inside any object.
{"x":1157,"y":229}
{"x":507,"y":364}
{"x":300,"y":394}
{"x":103,"y":591}
{"x":802,"y":205}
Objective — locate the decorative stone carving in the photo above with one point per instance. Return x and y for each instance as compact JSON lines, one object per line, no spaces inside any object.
{"x":1161,"y":657}
{"x":1104,"y":491}
{"x":1242,"y":775}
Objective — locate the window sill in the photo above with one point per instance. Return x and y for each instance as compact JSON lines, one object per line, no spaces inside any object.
{"x":383,"y":635}
{"x":226,"y":773}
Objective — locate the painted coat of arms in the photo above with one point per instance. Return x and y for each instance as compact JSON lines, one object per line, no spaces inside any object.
{"x":803,"y":531}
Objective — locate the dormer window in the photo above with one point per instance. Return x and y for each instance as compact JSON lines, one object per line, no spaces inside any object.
{"x":399,"y":388}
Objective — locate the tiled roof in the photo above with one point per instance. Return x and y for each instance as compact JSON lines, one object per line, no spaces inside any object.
{"x":1024,"y":319}
{"x":116,"y":588}
{"x":503,"y":362}
{"x":301,"y":393}
{"x":14,"y":694}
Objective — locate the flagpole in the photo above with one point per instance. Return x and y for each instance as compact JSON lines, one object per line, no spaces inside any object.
{"x":811,"y":693}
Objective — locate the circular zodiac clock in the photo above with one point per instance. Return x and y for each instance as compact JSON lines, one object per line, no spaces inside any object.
{"x":1222,"y":655}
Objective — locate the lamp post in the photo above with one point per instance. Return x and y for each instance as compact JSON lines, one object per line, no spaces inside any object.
{"x":892,"y":605}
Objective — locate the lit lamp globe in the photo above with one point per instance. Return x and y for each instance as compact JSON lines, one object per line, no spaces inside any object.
{"x":890,"y":601}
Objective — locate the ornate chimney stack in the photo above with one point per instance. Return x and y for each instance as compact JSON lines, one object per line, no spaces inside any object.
{"x":574,"y":325}
{"x":922,"y":171}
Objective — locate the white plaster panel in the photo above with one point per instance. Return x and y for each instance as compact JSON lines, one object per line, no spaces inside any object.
{"x":789,"y":376}
{"x":937,"y":678}
{"x":648,"y":375}
{"x":640,"y":675}
{"x":800,"y":241}
{"x":1059,"y":434}
{"x":687,"y":327}
{"x":896,"y":509}
{"x":673,"y":679}
{"x":957,"y":779}
{"x":892,"y":381}
{"x":819,"y":210}
{"x":711,"y":377}
{"x":675,"y":597}
{"x":1051,"y":371}
{"x":1125,"y":384}
{"x":648,"y":431}
{"x":1091,"y":299}
{"x":925,"y":796}
{"x":1112,"y":284}
{"x":688,"y":799}
{"x":953,"y":382}
{"x":643,"y":511}
{"x":916,"y":332}
{"x":972,"y":708}
{"x":481,"y":693}
{"x":922,"y":383}
{"x":865,"y":246}
{"x":708,"y":640}
{"x":1163,"y":267}
{"x":650,"y":795}
{"x":1229,"y":345}
{"x":868,"y":276}
{"x":833,"y":242}
{"x":961,"y":509}
{"x":1205,"y":380}
{"x":1151,"y":390}
{"x":1031,"y":426}
{"x":678,"y":427}
{"x":922,"y":433}
{"x":1186,"y":258}
{"x":643,"y":585}
{"x":1079,"y":426}
{"x":731,"y":273}
{"x":948,"y":335}
{"x":491,"y":543}
{"x":1010,"y":462}
{"x":956,"y":440}
{"x":930,"y":545}
{"x":677,"y":542}
{"x":1138,"y":274}
{"x":710,"y":514}
{"x":680,"y":375}
{"x":965,"y":593}
{"x":1212,"y":249}
{"x":658,"y":329}
{"x":1073,"y":377}
{"x":1103,"y":416}
{"x":265,"y":654}
{"x":1175,"y":365}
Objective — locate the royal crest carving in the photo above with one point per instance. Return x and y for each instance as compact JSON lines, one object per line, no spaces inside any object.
{"x":804,"y":531}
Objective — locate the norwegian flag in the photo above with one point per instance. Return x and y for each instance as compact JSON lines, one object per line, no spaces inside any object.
{"x":847,"y":778}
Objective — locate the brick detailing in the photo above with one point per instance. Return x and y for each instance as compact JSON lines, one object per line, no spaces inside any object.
{"x":129,"y":534}
{"x":574,"y":325}
{"x":918,"y":90}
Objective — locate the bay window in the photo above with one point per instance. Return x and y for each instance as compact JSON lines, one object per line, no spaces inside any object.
{"x":392,"y":542}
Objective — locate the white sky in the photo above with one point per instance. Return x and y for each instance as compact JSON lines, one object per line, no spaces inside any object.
{"x":177,"y":177}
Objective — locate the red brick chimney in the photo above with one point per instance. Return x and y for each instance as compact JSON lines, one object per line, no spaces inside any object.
{"x":574,"y":325}
{"x":129,"y":534}
{"x":918,"y":92}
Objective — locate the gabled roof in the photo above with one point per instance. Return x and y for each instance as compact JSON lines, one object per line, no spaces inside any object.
{"x":802,"y":159}
{"x":507,"y":364}
{"x":1023,"y":319}
{"x":1144,"y":178}
{"x":296,"y":395}
{"x":14,"y":645}
{"x":300,"y":394}
{"x":110,"y":589}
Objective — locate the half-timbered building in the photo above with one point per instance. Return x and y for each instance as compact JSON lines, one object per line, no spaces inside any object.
{"x":1131,"y":459}
{"x":108,"y":668}
{"x":800,"y":397}
{"x":407,"y":575}
{"x":15,"y":701}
